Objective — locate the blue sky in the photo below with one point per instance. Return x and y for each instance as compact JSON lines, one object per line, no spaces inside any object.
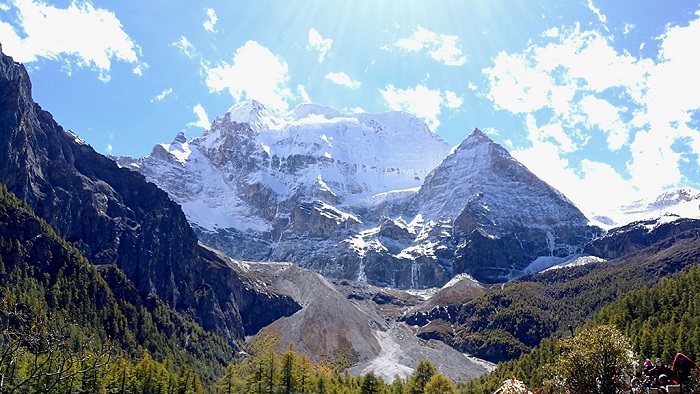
{"x":600,"y":99}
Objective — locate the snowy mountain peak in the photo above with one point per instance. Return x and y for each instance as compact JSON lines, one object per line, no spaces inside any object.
{"x":670,"y":204}
{"x":478,"y":135}
{"x":328,"y":189}
{"x":252,"y":112}
{"x":666,"y":199}
{"x":179,"y":139}
{"x":477,"y":152}
{"x":303,"y":111}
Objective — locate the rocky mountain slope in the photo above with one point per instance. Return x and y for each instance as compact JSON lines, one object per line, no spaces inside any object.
{"x":114,"y":216}
{"x":355,"y":324}
{"x":376,"y":198}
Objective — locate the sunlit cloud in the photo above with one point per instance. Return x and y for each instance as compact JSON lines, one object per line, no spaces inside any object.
{"x":420,"y":101}
{"x":343,"y":79}
{"x":209,"y":23}
{"x":594,"y":186}
{"x":575,"y":85}
{"x":165,"y":93}
{"x":440,"y":47}
{"x":255,"y":73}
{"x":318,"y":43}
{"x":79,"y":35}
{"x":202,"y":118}
{"x":606,"y":117}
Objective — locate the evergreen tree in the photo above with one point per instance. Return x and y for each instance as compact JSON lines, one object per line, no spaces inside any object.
{"x":439,"y":384}
{"x":397,"y":386}
{"x":371,"y":384}
{"x":420,"y":377}
{"x":288,"y":376}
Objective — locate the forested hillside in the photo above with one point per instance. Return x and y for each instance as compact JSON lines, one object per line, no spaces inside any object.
{"x":52,"y":295}
{"x":659,"y":322}
{"x":506,"y":322}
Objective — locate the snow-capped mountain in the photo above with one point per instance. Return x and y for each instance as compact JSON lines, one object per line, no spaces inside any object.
{"x":667,"y":206}
{"x":373,"y":197}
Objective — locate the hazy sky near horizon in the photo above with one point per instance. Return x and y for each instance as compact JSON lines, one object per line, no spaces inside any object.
{"x":601,"y":99}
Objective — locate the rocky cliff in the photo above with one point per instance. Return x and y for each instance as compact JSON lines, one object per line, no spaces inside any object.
{"x":113,"y":215}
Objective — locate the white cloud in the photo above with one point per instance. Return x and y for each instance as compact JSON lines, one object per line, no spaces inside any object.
{"x":440,"y":47}
{"x":606,"y":116}
{"x":202,"y":118}
{"x":602,"y":18}
{"x":594,"y":187}
{"x":108,"y":149}
{"x":79,"y":35}
{"x":654,"y":164}
{"x":185,"y":47}
{"x":420,"y":101}
{"x":576,"y":84}
{"x":256,"y":73}
{"x":452,"y":100}
{"x":552,"y":32}
{"x":301,"y":90}
{"x":551,"y":133}
{"x":162,"y":95}
{"x":318,"y":43}
{"x":209,"y":23}
{"x":341,"y":78}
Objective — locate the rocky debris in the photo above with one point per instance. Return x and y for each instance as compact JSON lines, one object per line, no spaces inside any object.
{"x":357,"y":324}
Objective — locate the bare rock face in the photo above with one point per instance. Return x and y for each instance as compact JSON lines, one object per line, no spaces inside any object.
{"x":504,"y":217}
{"x":638,"y":235}
{"x":115,"y":216}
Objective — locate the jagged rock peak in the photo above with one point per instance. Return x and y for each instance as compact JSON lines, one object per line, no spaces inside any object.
{"x":478,"y":135}
{"x":180,"y":138}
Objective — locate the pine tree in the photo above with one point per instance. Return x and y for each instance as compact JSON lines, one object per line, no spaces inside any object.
{"x":420,"y":377}
{"x":439,"y":384}
{"x":371,"y":384}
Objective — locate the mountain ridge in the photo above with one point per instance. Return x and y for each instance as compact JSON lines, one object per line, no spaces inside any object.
{"x":114,"y":216}
{"x":369,"y":197}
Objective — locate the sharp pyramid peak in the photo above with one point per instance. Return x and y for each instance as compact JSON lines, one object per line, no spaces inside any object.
{"x":180,"y":138}
{"x":477,"y":140}
{"x":477,"y":137}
